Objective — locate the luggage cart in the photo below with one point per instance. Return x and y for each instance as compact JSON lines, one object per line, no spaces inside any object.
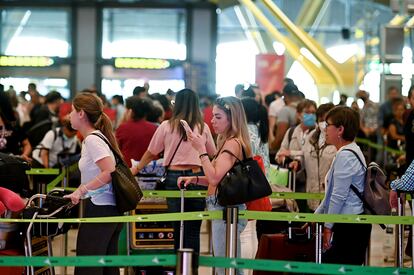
{"x":38,"y":236}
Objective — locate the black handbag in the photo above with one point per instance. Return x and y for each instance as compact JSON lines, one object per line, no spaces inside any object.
{"x":160,"y":184}
{"x":244,"y":182}
{"x":126,"y":189}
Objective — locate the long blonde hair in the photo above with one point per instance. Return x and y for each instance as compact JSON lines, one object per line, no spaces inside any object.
{"x":233,"y":107}
{"x":93,"y":107}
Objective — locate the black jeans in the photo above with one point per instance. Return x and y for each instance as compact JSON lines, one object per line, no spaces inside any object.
{"x":98,"y":238}
{"x":349,"y":244}
{"x":191,"y":228}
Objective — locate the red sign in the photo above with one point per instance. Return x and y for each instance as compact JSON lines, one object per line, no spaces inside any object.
{"x":270,"y":72}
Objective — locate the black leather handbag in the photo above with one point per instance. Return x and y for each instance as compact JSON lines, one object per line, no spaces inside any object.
{"x":126,"y":189}
{"x":244,"y":182}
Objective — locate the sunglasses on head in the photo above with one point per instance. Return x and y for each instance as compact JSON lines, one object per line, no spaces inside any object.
{"x":222,"y":103}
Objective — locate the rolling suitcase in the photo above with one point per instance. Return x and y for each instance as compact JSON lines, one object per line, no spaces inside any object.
{"x":297,"y":245}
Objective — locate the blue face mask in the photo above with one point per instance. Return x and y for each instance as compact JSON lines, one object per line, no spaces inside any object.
{"x":309,"y":120}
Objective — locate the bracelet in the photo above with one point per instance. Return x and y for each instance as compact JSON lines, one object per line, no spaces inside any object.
{"x":196,"y":180}
{"x":202,"y":155}
{"x":99,"y":180}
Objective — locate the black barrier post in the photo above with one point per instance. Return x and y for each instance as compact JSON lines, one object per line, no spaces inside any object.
{"x":232,"y":214}
{"x":185,"y":262}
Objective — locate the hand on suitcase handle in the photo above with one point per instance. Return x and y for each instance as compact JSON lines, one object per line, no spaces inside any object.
{"x":327,"y":238}
{"x":294,"y":165}
{"x":183,"y":182}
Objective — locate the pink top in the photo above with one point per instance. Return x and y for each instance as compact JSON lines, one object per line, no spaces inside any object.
{"x":166,"y":140}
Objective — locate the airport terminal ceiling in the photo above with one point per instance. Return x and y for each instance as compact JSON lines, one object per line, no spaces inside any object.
{"x":327,"y":32}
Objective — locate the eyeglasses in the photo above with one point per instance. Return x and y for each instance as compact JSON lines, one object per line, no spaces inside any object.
{"x":329,"y":124}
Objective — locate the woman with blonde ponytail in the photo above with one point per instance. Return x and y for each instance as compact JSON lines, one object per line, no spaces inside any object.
{"x":96,"y":164}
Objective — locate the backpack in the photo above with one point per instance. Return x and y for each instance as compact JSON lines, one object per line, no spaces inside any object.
{"x":376,"y":193}
{"x":37,"y":132}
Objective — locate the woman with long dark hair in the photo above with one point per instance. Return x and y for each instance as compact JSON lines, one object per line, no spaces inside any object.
{"x":181,"y":159}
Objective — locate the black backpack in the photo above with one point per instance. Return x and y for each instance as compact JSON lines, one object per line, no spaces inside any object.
{"x":37,"y":132}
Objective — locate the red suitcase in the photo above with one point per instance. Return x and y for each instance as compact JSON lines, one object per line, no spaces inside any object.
{"x":280,"y":247}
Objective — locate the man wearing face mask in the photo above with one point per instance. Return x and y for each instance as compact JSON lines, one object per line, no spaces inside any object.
{"x":292,"y":144}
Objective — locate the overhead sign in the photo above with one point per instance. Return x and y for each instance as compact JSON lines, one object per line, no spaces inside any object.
{"x":142,"y":63}
{"x":25,"y":61}
{"x":270,"y":72}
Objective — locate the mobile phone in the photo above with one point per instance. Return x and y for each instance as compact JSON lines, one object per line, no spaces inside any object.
{"x":186,"y":126}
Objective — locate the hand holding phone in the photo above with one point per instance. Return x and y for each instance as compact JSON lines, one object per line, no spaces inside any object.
{"x":186,"y":127}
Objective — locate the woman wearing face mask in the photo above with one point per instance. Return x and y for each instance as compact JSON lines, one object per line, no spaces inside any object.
{"x":292,"y":143}
{"x":317,"y":156}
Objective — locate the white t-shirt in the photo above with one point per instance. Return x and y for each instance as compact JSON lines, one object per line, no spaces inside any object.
{"x":93,"y":150}
{"x":56,"y":142}
{"x":276,"y":106}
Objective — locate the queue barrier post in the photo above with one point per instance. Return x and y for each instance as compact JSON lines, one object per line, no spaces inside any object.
{"x":185,"y":262}
{"x":231,"y":218}
{"x":399,"y":232}
{"x":318,"y":240}
{"x":402,"y":196}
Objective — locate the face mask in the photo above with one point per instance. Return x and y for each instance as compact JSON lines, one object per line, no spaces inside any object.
{"x":309,"y":120}
{"x":322,"y":126}
{"x":322,"y":138}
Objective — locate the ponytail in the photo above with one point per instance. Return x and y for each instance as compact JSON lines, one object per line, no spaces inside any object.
{"x":104,"y":124}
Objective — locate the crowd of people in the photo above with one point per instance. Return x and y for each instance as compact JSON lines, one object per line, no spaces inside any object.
{"x":282,"y":128}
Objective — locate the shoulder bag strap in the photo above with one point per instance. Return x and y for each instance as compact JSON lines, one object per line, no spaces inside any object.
{"x":118,"y":158}
{"x":243,"y":151}
{"x":356,"y":155}
{"x":175,"y":151}
{"x":230,"y":153}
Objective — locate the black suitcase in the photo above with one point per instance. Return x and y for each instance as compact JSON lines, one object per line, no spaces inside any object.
{"x":13,"y":174}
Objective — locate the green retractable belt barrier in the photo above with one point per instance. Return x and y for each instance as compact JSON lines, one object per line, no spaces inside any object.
{"x":170,"y":260}
{"x":255,"y":215}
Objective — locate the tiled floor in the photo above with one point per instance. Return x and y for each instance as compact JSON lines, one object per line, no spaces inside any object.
{"x":381,"y":249}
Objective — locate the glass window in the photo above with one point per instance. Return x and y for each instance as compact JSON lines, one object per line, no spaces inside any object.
{"x":44,"y":85}
{"x":35,"y":32}
{"x":153,"y":33}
